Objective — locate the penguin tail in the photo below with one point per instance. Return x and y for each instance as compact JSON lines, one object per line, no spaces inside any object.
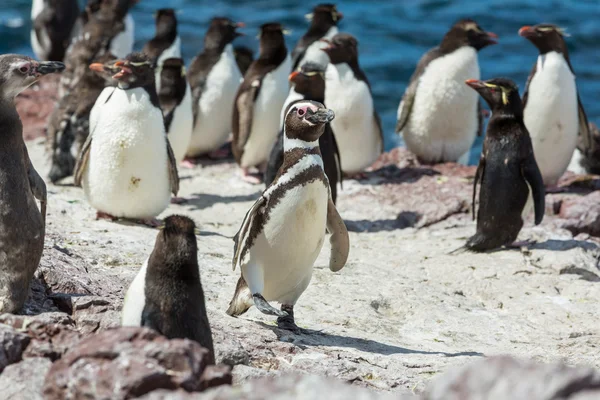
{"x":242,"y":299}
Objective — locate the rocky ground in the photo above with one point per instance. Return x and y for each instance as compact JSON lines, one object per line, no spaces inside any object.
{"x":402,"y":312}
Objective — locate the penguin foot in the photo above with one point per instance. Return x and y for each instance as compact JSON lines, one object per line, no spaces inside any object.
{"x":265,"y":307}
{"x":288,"y":323}
{"x":254,"y":179}
{"x":103,"y":215}
{"x":187,"y":163}
{"x":178,"y":200}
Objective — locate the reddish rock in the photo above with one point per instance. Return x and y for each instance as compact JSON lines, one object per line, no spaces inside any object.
{"x":24,"y":380}
{"x":36,"y":104}
{"x":125,"y":363}
{"x":581,"y":214}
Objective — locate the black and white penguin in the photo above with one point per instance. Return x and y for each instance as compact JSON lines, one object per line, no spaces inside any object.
{"x":553,"y":112}
{"x":244,"y":56}
{"x":357,"y":126}
{"x":259,"y":100}
{"x":122,"y":44}
{"x":126,"y":166}
{"x":283,"y":233}
{"x":22,"y":223}
{"x":214,"y":77}
{"x":175,"y":98}
{"x":323,"y":25}
{"x":507,"y":169}
{"x":53,"y":22}
{"x":166,"y":43}
{"x":68,"y":125}
{"x":439,"y":116}
{"x":309,"y":84}
{"x":166,"y":294}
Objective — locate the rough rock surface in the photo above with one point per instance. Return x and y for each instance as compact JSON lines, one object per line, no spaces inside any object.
{"x":125,"y":363}
{"x":24,"y":381}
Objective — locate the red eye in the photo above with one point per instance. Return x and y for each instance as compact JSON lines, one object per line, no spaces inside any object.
{"x":301,"y":112}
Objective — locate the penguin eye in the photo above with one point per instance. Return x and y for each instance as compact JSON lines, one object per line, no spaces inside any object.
{"x":24,"y":68}
{"x":301,"y":112}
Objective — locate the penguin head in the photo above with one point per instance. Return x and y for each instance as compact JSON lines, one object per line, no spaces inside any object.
{"x":343,"y":48}
{"x":501,"y":94}
{"x":309,"y":80}
{"x":546,"y":37}
{"x":136,"y":70}
{"x":166,"y":22}
{"x":271,"y":38}
{"x":173,"y":79}
{"x":325,"y":16}
{"x":221,"y":32}
{"x":467,"y":32}
{"x":107,"y":8}
{"x":176,"y":246}
{"x":104,"y":67}
{"x":306,"y":119}
{"x":18,"y":72}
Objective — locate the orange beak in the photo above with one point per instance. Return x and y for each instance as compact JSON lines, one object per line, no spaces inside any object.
{"x":240,"y":25}
{"x":293,"y":76}
{"x":97,"y":67}
{"x":526,"y":31}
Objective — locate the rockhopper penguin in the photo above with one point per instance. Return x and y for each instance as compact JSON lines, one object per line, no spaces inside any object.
{"x":507,"y":170}
{"x":438,"y":115}
{"x":553,"y":112}
{"x":283,"y":232}
{"x":166,"y":43}
{"x":259,"y":100}
{"x":166,"y":294}
{"x":22,"y":223}
{"x":127,"y":167}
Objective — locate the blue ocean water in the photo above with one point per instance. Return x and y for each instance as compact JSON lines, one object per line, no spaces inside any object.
{"x":392,"y":34}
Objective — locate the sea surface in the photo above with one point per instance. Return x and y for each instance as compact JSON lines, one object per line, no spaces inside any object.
{"x":392,"y":34}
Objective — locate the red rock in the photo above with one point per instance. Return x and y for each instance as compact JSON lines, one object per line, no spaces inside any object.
{"x":36,"y":104}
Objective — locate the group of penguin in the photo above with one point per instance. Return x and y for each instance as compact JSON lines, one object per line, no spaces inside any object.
{"x":125,"y":121}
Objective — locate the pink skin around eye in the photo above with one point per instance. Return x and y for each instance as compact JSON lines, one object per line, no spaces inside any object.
{"x":24,"y":67}
{"x":302,"y":110}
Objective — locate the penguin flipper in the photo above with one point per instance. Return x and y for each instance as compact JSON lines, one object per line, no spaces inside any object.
{"x":585,"y":142}
{"x":408,"y":98}
{"x":338,"y":159}
{"x":275,"y":160}
{"x":533,"y":176}
{"x":172,"y":168}
{"x":243,"y":114}
{"x":529,"y":78}
{"x":36,"y":183}
{"x":82,"y":160}
{"x":379,"y":128}
{"x":478,"y":176}
{"x":242,"y":238}
{"x":340,"y":242}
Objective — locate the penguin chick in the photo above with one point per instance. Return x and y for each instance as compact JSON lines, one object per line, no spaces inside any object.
{"x":439,"y":116}
{"x":166,"y":294}
{"x":126,"y":166}
{"x":22,"y":224}
{"x":283,"y":233}
{"x":52,"y":26}
{"x":553,"y":112}
{"x":309,"y":84}
{"x":176,"y":103}
{"x":507,"y":169}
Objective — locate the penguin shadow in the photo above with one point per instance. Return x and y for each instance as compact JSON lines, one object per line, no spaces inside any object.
{"x":406,"y":219}
{"x":201,"y":201}
{"x":392,"y":174}
{"x":311,"y":338}
{"x":563,"y":245}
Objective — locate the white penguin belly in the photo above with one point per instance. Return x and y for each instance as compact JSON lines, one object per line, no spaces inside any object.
{"x":135,"y":298}
{"x":443,"y":121}
{"x":291,"y":242}
{"x":127,"y":173}
{"x":265,"y":120}
{"x":180,"y":131}
{"x":122,"y":44}
{"x":215,"y":111}
{"x":314,"y":53}
{"x":551,"y":116}
{"x":354,"y":126}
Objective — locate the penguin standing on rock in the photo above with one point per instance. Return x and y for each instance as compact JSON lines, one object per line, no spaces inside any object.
{"x":309,"y":84}
{"x":22,"y":224}
{"x":439,"y":116}
{"x":357,"y":126}
{"x":507,"y":169}
{"x":53,"y":24}
{"x":323,"y":25}
{"x":127,"y":167}
{"x":283,"y":233}
{"x":214,"y":77}
{"x":166,"y":294}
{"x":166,"y":43}
{"x":553,"y":112}
{"x":175,"y":98}
{"x":258,"y":102}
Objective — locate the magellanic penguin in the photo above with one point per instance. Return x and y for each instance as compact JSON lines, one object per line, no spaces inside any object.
{"x":22,"y":224}
{"x":214,"y":77}
{"x":507,"y":169}
{"x":53,"y":22}
{"x":357,"y":126}
{"x":175,"y":98}
{"x":553,"y":112}
{"x":68,"y":125}
{"x":439,"y":116}
{"x":166,"y":294}
{"x":126,"y":166}
{"x":309,"y":84}
{"x":166,"y":43}
{"x":283,"y":232}
{"x":259,"y":100}
{"x":323,"y":25}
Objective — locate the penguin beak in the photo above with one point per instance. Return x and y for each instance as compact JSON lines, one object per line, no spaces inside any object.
{"x":124,"y":70}
{"x":240,"y":25}
{"x":475,"y":84}
{"x":48,"y":67}
{"x":321,"y":116}
{"x":97,"y":67}
{"x":293,"y":76}
{"x":491,"y":38}
{"x":527,"y":32}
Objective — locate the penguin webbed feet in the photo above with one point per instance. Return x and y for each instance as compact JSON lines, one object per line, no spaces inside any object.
{"x":265,"y":308}
{"x":288,"y":323}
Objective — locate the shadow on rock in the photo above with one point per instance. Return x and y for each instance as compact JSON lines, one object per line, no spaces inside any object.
{"x":201,"y":201}
{"x":564,"y":245}
{"x":392,"y":174}
{"x":406,"y":219}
